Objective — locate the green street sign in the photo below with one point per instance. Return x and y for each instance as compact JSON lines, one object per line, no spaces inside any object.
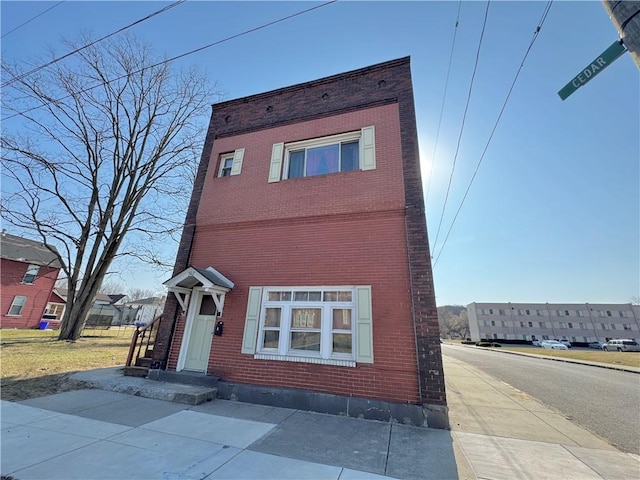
{"x":605,"y":59}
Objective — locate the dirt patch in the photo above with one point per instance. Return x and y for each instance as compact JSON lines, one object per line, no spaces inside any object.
{"x":18,"y":390}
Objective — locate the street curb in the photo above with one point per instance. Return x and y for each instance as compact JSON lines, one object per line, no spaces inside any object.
{"x":609,"y":366}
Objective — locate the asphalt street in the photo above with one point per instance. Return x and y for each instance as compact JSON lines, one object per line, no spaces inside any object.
{"x":605,"y":402}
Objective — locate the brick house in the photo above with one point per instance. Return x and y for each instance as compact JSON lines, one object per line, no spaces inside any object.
{"x":303,"y":276}
{"x":28,"y":273}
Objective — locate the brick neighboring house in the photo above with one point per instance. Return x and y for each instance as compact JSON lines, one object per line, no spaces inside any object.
{"x":306,"y":241}
{"x":28,"y":273}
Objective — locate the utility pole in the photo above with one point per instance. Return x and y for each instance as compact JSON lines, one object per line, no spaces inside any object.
{"x":625,"y":15}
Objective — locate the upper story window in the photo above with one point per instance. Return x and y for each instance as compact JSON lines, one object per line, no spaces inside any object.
{"x":320,"y":156}
{"x":323,"y":159}
{"x":231,"y":163}
{"x":31,"y":274}
{"x":501,"y":312}
{"x":17,"y":305}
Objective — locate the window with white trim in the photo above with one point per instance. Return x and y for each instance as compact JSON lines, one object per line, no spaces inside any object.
{"x":31,"y":274}
{"x":310,"y":324}
{"x":231,"y":163}
{"x":17,"y":305}
{"x":320,"y":156}
{"x":316,"y":323}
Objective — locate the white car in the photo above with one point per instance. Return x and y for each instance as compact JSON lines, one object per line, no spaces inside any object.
{"x":567,"y":343}
{"x":553,"y":345}
{"x":621,"y":345}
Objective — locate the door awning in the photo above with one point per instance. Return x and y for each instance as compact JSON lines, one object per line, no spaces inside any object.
{"x":209,"y":279}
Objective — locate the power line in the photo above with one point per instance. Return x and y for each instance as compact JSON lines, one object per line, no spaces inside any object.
{"x":464,"y":117}
{"x":191,"y":52}
{"x":484,"y":151}
{"x":32,"y":19}
{"x":444,"y":97}
{"x":37,"y":69}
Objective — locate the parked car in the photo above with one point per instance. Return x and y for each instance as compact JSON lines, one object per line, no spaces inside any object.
{"x":536,"y":343}
{"x":566,"y":343}
{"x":621,"y":345}
{"x":596,"y":345}
{"x":553,"y":345}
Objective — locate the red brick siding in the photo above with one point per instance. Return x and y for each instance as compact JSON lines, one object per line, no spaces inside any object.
{"x":176,"y":342}
{"x":249,"y":196}
{"x":365,"y":250}
{"x":37,"y":294}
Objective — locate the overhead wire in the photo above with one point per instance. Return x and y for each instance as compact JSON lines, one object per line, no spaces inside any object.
{"x":191,"y":52}
{"x":31,"y":19}
{"x":495,"y":125}
{"x":444,"y":97}
{"x":464,"y":117}
{"x":56,"y":60}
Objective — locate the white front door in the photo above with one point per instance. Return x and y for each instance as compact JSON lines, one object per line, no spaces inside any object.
{"x":200,"y":333}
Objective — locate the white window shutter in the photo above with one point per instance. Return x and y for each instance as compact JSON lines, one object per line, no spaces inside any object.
{"x":251,"y":321}
{"x":368,"y":148}
{"x":236,"y":167}
{"x":364,"y":325}
{"x":276,"y":162}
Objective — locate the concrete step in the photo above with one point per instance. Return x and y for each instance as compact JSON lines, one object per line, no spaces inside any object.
{"x":136,"y":371}
{"x":184,"y":378}
{"x":112,"y":379}
{"x":144,"y":362}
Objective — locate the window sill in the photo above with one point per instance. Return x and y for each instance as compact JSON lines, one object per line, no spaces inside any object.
{"x":317,"y":361}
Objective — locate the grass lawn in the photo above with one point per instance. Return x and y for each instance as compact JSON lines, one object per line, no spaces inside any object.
{"x":34,"y":363}
{"x":631,"y":359}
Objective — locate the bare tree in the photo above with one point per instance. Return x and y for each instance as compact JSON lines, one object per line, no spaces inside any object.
{"x":111,"y":287}
{"x":453,"y":324}
{"x":139,"y":293}
{"x":98,"y":161}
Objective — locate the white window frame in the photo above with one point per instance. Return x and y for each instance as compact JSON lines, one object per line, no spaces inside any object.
{"x":16,"y":303}
{"x":321,"y":142}
{"x":224,"y":158}
{"x":325,"y":354}
{"x":279,"y":168}
{"x":30,"y":274}
{"x":235,"y":168}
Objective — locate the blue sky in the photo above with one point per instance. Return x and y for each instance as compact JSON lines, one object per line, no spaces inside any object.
{"x":554,"y":212}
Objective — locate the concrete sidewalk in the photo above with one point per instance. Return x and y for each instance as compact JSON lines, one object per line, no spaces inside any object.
{"x":497,"y":432}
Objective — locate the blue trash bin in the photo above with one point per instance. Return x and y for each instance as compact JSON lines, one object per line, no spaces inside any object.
{"x":44,"y":325}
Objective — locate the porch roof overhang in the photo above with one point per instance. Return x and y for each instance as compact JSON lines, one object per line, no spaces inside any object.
{"x":209,"y":279}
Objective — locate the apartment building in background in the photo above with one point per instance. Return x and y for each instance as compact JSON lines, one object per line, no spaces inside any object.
{"x":303,"y":277}
{"x":580,"y":323}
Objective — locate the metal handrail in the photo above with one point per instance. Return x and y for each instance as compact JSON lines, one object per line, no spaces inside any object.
{"x":143,"y":334}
